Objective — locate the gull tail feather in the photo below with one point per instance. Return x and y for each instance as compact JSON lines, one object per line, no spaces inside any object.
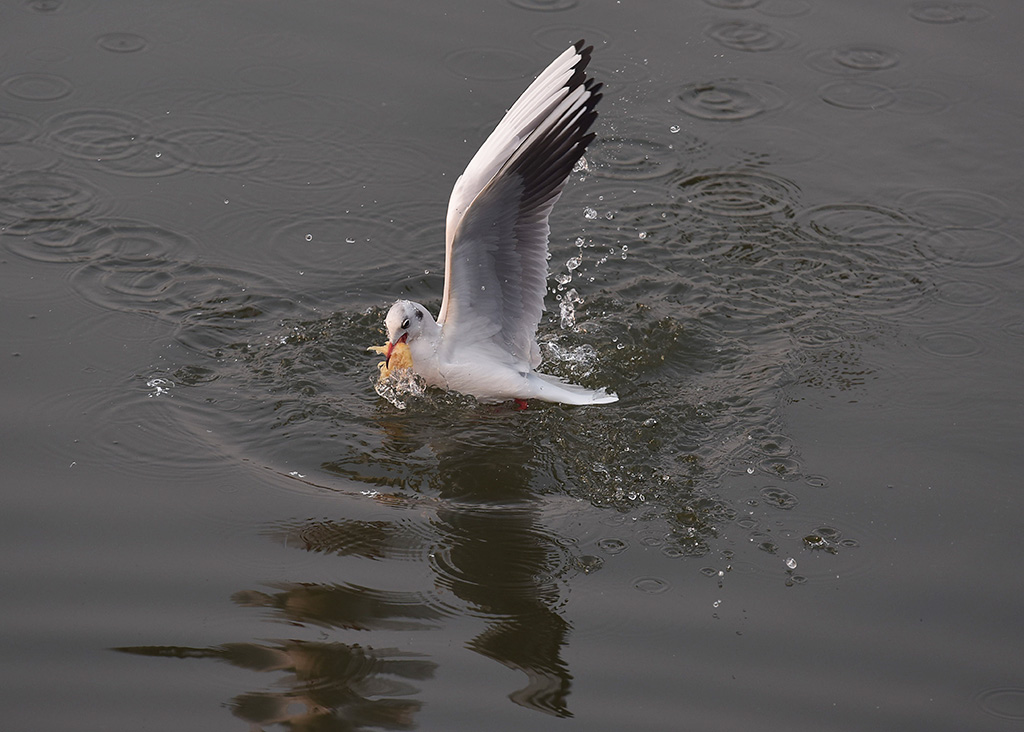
{"x":552,"y":389}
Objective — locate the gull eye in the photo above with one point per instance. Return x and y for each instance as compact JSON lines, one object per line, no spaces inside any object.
{"x":405,"y":324}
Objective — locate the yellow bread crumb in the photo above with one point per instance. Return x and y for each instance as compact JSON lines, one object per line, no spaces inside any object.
{"x":401,"y":358}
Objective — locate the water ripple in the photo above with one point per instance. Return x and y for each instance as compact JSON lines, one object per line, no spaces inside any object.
{"x":951,"y":207}
{"x":862,"y":225}
{"x":740,"y":194}
{"x":728,"y":99}
{"x":15,"y":128}
{"x":37,"y":87}
{"x":97,"y":134}
{"x":651,"y":585}
{"x":950,"y":344}
{"x":402,"y":540}
{"x":545,"y":6}
{"x":120,"y":42}
{"x":628,"y":158}
{"x":780,"y":498}
{"x":866,"y":58}
{"x":742,"y":35}
{"x":967,"y":293}
{"x":31,"y":196}
{"x":974,"y":248}
{"x":733,"y":4}
{"x":131,"y":266}
{"x":947,"y":12}
{"x":1003,"y":702}
{"x":136,"y":428}
{"x":215,"y":149}
{"x":852,"y":59}
{"x":857,"y":95}
{"x":56,"y":7}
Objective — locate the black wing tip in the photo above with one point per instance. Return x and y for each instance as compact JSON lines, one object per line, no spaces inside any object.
{"x":550,"y":158}
{"x":580,"y":72}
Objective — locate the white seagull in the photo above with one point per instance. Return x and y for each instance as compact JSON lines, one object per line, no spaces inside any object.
{"x":484,"y":341}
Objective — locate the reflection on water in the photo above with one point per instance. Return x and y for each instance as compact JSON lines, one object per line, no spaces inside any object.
{"x":490,"y":556}
{"x":328,"y":686}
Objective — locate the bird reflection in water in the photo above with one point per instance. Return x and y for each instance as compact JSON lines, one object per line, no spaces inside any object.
{"x":483,"y":539}
{"x":331,"y":686}
{"x":491,"y":555}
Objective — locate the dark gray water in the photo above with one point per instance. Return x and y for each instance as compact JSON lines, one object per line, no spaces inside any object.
{"x":795,"y":254}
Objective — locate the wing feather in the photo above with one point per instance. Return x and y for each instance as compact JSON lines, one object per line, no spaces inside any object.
{"x":496,"y":254}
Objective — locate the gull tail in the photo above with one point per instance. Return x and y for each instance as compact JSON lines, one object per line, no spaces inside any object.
{"x":552,"y":389}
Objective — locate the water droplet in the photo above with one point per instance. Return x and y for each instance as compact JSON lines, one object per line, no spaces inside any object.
{"x":160,"y":386}
{"x":309,"y":237}
{"x":567,"y":309}
{"x":791,"y":563}
{"x":674,"y":129}
{"x":573,"y":263}
{"x":589,"y":213}
{"x":716,"y":603}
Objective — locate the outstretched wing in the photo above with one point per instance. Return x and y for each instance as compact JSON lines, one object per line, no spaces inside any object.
{"x":497,"y":227}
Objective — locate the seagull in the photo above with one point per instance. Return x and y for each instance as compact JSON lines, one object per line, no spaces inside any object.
{"x":484,"y":341}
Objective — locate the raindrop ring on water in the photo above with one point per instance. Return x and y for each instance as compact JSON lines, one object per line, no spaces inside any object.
{"x":739,"y":194}
{"x":740,"y":35}
{"x":728,"y":99}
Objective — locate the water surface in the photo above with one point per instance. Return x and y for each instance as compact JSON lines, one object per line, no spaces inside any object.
{"x":795,"y":254}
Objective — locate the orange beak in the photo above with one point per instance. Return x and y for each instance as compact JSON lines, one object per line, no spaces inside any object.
{"x":391,"y":347}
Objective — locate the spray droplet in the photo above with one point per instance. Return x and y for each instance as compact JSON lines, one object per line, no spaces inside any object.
{"x":567,"y":309}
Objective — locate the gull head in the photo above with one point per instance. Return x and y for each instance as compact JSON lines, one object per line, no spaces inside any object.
{"x":405,"y":322}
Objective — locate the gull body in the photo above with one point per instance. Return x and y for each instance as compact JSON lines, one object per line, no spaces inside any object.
{"x":484,"y":340}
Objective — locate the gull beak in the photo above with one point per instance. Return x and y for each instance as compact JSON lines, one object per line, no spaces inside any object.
{"x":391,"y":347}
